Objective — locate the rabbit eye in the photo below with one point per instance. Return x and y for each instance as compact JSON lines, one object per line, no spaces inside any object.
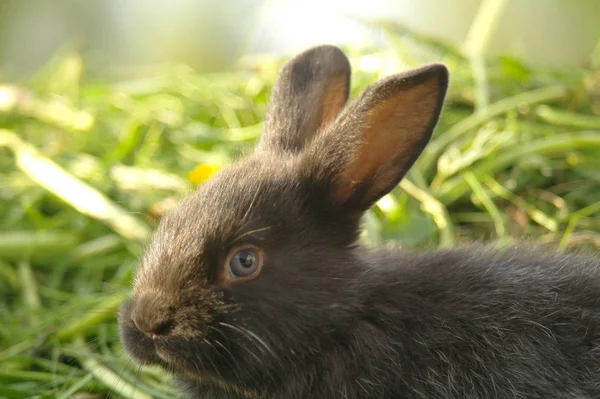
{"x":244,"y":263}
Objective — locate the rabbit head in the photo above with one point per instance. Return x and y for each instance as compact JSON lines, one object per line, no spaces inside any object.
{"x":243,"y":280}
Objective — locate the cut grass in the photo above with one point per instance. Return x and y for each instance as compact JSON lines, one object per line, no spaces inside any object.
{"x":89,"y":167}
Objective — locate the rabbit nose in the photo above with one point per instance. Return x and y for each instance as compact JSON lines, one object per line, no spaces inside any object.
{"x":151,"y":316}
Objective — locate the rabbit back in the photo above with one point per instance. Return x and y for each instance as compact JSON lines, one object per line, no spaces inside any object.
{"x":477,"y":323}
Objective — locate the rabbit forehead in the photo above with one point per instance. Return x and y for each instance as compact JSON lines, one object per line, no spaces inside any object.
{"x":246,"y":195}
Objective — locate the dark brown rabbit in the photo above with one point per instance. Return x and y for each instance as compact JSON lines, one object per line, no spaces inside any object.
{"x":255,"y":287}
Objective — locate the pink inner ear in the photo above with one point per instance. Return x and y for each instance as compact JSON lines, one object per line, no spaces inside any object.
{"x":334,"y":98}
{"x":393,"y":129}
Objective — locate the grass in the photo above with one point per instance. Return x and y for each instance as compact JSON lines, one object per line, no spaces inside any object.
{"x":89,"y":166}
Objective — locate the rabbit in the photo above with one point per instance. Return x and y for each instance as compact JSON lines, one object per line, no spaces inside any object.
{"x":256,"y":285}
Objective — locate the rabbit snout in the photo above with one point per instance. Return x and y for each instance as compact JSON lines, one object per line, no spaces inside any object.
{"x":152,"y":316}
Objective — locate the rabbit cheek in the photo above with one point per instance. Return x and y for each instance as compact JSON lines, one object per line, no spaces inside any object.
{"x":197,"y":313}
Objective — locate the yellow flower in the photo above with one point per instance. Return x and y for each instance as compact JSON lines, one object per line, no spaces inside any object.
{"x":202,"y":173}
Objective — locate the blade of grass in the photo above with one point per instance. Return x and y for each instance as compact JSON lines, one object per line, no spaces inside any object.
{"x":27,"y":375}
{"x":18,"y":348}
{"x":538,"y":216}
{"x":488,"y":204}
{"x":29,"y":286}
{"x":96,"y":247}
{"x":484,"y":26}
{"x":75,"y":386}
{"x":8,"y":274}
{"x":17,"y":100}
{"x":482,"y":90}
{"x":19,"y":245}
{"x":79,"y":195}
{"x":575,"y":218}
{"x":441,"y":141}
{"x":455,"y":188}
{"x":565,"y":118}
{"x":482,"y":29}
{"x":102,"y":312}
{"x":106,"y":375}
{"x":436,"y":209}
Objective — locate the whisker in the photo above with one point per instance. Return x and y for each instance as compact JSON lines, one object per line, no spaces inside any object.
{"x":246,"y":336}
{"x":259,"y":339}
{"x":252,"y":335}
{"x":120,"y":377}
{"x":224,"y":348}
{"x":211,"y":362}
{"x":245,"y":217}
{"x":135,"y":381}
{"x":252,"y":231}
{"x":230,"y":359}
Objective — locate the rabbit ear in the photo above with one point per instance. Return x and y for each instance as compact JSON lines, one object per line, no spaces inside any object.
{"x":378,"y":138}
{"x":310,"y":92}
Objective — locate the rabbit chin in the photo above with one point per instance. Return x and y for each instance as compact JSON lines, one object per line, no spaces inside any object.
{"x":166,"y":354}
{"x":141,"y":348}
{"x":148,"y":351}
{"x":159,"y":355}
{"x":186,"y":369}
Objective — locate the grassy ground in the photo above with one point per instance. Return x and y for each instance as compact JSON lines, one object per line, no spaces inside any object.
{"x":88,"y":167}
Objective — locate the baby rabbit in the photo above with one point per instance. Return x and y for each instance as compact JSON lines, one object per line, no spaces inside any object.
{"x":255,"y":287}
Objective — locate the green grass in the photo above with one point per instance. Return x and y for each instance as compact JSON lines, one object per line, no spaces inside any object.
{"x":88,"y":166}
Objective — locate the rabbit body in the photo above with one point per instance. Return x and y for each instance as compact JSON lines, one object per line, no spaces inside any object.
{"x":467,"y":323}
{"x":254,"y":287}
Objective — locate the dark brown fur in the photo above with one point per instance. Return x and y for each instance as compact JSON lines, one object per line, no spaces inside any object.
{"x":327,"y":318}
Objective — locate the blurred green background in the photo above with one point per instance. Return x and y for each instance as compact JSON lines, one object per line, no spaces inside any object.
{"x":112,"y":111}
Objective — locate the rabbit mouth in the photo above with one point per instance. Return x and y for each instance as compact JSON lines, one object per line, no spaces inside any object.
{"x":164,"y":354}
{"x":177,"y":351}
{"x":172,"y":354}
{"x":181,"y":357}
{"x":141,"y":347}
{"x":161,"y":353}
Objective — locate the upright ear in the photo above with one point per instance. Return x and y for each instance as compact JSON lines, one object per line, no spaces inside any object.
{"x":378,"y":138}
{"x":309,"y":94}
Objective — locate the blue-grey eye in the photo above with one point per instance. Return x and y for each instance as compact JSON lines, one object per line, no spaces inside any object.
{"x":244,"y":263}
